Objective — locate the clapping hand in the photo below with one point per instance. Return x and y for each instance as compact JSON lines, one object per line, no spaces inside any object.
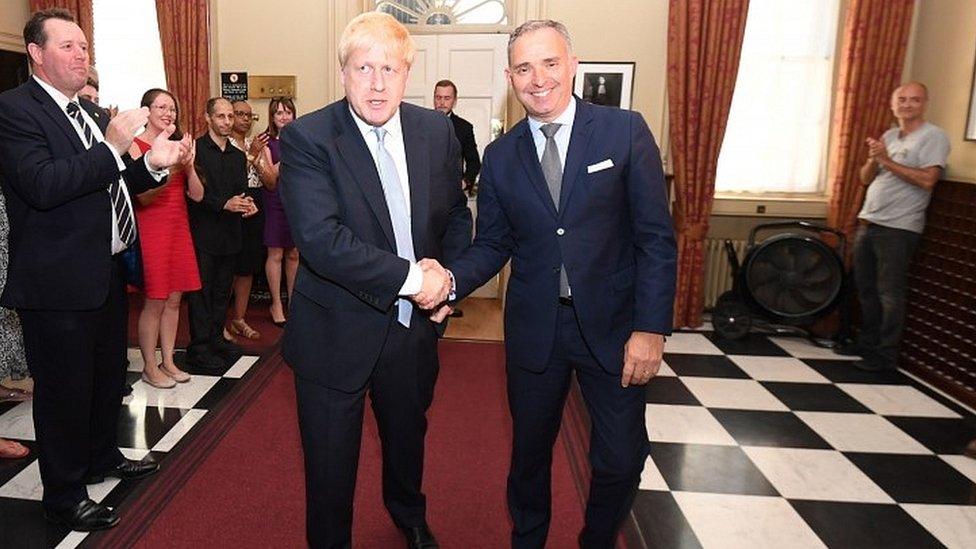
{"x":436,"y":285}
{"x":877,"y":150}
{"x":258,"y":144}
{"x":122,"y":128}
{"x":166,"y":153}
{"x":191,"y":153}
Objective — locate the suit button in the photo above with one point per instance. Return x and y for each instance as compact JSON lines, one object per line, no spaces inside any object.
{"x":560,"y":231}
{"x":555,"y":270}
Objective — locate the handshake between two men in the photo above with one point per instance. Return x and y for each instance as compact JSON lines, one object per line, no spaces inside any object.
{"x":434,"y":292}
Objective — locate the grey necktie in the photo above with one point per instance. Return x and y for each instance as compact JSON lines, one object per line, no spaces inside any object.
{"x":123,"y":214}
{"x":552,"y":169}
{"x":399,"y":215}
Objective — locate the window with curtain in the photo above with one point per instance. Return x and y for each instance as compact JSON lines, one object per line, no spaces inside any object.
{"x":130,"y":56}
{"x":776,"y":138}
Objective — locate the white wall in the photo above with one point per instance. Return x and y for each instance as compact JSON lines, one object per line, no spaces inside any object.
{"x":943,"y":54}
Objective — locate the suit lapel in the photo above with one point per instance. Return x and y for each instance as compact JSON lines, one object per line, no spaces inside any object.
{"x":354,"y":151}
{"x":530,"y":162}
{"x":579,"y":143}
{"x":58,"y":116}
{"x":418,"y":170}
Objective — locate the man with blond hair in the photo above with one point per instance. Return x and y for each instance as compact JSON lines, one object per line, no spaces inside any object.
{"x":370,"y":186}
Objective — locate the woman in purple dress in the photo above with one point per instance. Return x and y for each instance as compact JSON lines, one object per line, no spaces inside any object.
{"x":277,"y":233}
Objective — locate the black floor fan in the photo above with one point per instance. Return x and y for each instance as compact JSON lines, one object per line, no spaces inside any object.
{"x":785,"y":283}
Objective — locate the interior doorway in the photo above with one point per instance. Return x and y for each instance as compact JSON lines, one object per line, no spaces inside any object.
{"x":476,"y":64}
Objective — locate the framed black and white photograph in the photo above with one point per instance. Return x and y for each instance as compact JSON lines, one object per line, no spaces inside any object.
{"x":605,"y":83}
{"x":971,"y":120}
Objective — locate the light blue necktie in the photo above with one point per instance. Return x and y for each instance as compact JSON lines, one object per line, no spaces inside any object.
{"x":397,"y":204}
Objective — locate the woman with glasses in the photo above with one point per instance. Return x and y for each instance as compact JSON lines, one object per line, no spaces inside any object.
{"x":250,"y":260}
{"x":277,"y":233}
{"x":168,"y":259}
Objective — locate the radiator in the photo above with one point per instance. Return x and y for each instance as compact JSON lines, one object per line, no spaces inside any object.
{"x":718,"y":272}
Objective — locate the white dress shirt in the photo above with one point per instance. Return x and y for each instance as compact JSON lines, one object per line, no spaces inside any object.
{"x":393,"y":142}
{"x":562,"y":135}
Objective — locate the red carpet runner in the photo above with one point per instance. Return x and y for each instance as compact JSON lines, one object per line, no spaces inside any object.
{"x":249,"y":491}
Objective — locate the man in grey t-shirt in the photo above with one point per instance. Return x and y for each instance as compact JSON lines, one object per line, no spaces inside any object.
{"x":902,"y":169}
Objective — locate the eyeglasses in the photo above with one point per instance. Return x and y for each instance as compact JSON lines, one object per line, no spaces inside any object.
{"x":245,"y":114}
{"x":163,"y":108}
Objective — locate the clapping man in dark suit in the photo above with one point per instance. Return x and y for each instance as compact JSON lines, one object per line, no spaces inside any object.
{"x":575,"y":195}
{"x":69,"y":201}
{"x":370,"y":185}
{"x":445,"y":97}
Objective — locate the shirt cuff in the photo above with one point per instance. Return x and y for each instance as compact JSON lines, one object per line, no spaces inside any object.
{"x":158,"y":175}
{"x":414,"y":282}
{"x":453,"y":295}
{"x":116,"y":155}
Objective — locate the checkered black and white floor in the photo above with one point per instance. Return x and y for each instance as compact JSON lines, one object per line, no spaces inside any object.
{"x":153,"y":422}
{"x":763,"y":442}
{"x":774,"y":442}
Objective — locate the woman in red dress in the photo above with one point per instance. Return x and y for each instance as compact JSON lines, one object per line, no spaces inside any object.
{"x":168,"y":260}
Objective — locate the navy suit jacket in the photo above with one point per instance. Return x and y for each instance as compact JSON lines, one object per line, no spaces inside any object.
{"x":341,"y":225}
{"x":58,"y":204}
{"x":612,"y":231}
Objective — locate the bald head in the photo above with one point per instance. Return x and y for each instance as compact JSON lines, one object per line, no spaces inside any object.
{"x":908,"y":102}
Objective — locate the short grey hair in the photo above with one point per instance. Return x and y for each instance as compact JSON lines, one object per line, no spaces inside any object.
{"x":534,"y":25}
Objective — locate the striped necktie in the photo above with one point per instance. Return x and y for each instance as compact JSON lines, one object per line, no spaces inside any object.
{"x":123,"y":214}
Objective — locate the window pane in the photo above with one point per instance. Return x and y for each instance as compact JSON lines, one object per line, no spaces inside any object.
{"x":130,"y":57}
{"x":776,"y":138}
{"x":458,"y":12}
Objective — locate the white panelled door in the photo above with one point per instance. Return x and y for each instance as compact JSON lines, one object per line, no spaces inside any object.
{"x":476,"y":64}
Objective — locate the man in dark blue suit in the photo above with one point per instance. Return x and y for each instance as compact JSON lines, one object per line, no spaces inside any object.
{"x":575,"y":195}
{"x":370,"y":186}
{"x":69,"y":200}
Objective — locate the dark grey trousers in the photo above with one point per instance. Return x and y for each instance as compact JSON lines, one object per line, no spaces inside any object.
{"x":881,"y":259}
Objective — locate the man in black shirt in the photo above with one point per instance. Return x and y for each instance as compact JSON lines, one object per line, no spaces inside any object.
{"x":215,"y":223}
{"x":445,"y":96}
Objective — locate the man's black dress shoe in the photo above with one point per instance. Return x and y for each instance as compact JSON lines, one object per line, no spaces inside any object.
{"x":224,"y":347}
{"x":205,"y":361}
{"x":129,"y":469}
{"x":86,"y":516}
{"x":872,"y":366}
{"x":849,"y":349}
{"x":419,"y":537}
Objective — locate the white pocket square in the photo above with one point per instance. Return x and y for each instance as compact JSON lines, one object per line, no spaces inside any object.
{"x":599,"y":166}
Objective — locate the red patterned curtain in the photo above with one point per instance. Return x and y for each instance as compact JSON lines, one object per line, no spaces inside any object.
{"x":184,"y":33}
{"x":81,"y":9}
{"x":704,"y":42}
{"x":875,"y":42}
